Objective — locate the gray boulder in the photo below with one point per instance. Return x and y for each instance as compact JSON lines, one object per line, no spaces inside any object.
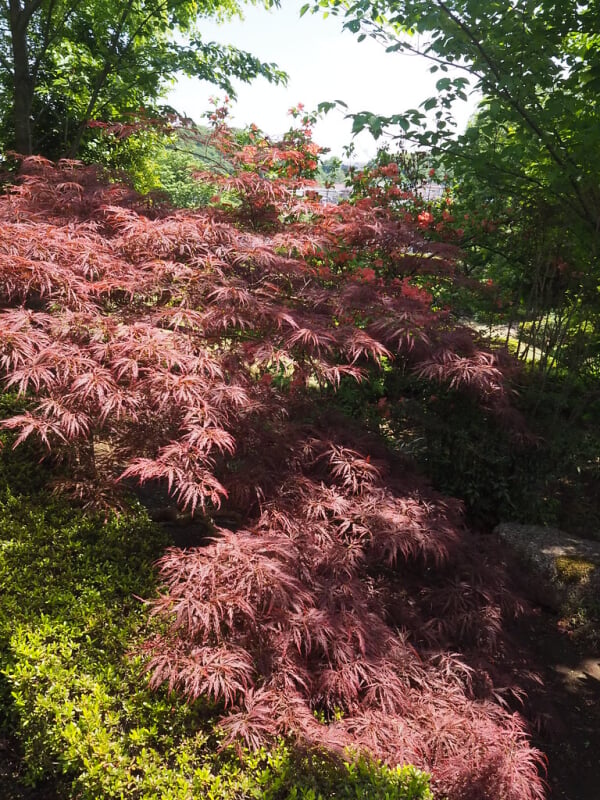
{"x":566,"y":564}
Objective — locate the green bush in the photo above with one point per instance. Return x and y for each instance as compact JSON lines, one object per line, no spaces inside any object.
{"x":73,"y":689}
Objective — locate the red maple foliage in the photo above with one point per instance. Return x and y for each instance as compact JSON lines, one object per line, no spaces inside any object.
{"x":190,"y":348}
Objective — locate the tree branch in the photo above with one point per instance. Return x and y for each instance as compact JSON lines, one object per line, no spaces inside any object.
{"x":521,"y":110}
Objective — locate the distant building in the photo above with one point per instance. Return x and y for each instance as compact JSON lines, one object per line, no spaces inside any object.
{"x":430,"y":191}
{"x":339,"y":192}
{"x":330,"y":196}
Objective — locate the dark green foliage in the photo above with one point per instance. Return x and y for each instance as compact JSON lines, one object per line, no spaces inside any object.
{"x":21,"y":471}
{"x":581,"y":613}
{"x":65,"y":64}
{"x":548,"y":473}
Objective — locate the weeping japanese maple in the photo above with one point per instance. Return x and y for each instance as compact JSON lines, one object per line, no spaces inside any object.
{"x":351,"y":609}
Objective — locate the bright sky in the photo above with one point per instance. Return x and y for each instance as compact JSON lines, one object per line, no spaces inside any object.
{"x":323,"y":63}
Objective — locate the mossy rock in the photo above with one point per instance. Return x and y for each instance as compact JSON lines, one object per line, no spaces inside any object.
{"x":566,"y":575}
{"x":572,"y":570}
{"x":564,"y":564}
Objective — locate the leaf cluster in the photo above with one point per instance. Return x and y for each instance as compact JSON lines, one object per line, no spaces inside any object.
{"x":148,"y":339}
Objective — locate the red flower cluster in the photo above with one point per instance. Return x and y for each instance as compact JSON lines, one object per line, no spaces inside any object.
{"x":425,"y":219}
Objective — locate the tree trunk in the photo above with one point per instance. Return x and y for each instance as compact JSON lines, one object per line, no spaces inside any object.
{"x":23,"y":85}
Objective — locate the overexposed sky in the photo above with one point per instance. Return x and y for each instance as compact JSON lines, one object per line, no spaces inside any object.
{"x":323,"y":63}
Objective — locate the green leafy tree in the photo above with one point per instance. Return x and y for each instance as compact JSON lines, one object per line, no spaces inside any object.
{"x":537,"y":65}
{"x":66,"y":62}
{"x":527,"y":169}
